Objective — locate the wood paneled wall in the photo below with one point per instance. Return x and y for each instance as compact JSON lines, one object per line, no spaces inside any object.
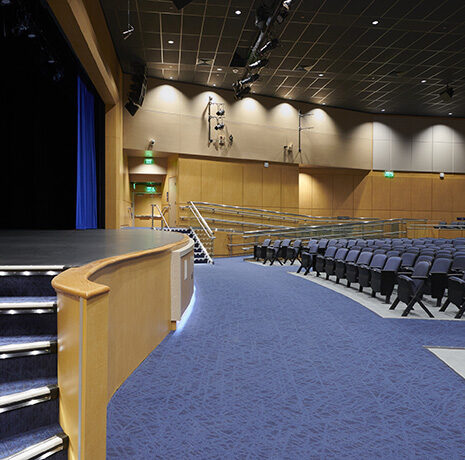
{"x":333,"y":192}
{"x":239,"y":183}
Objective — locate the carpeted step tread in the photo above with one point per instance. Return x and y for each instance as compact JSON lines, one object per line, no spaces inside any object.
{"x":18,"y":386}
{"x":26,"y":339}
{"x":14,"y":444}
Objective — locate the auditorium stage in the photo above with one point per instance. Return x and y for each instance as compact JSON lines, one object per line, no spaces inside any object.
{"x":72,"y":248}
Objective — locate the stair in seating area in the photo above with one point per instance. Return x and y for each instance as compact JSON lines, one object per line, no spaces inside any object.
{"x":201,"y":254}
{"x":29,"y":427}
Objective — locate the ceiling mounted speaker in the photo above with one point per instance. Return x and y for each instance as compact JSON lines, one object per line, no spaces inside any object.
{"x":180,"y":4}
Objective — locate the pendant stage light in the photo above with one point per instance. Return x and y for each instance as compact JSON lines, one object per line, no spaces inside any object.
{"x":258,"y":64}
{"x":249,"y":79}
{"x":270,"y":45}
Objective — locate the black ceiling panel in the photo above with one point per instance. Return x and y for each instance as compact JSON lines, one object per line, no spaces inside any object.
{"x":365,"y":66}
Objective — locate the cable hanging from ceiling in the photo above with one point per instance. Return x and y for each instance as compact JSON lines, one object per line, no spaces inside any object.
{"x":269,"y":14}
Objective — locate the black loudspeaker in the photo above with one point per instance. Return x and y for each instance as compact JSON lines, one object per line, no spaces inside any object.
{"x":137,"y":90}
{"x":180,"y":4}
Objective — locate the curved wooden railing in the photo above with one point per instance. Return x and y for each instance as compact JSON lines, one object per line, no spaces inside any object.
{"x":111,"y":314}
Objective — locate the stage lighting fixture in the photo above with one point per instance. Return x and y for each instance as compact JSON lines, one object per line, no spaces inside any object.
{"x":249,"y":79}
{"x":258,"y":64}
{"x":220,"y":113}
{"x":447,"y":94}
{"x":128,"y":32}
{"x":261,"y":17}
{"x":270,"y":45}
{"x":130,"y":29}
{"x":242,"y":92}
{"x":219,"y":126}
{"x":5,"y":2}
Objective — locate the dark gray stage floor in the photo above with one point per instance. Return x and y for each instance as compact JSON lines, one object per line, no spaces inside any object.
{"x":76,"y":247}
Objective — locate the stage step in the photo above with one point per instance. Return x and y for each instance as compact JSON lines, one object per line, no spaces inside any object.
{"x":15,"y":308}
{"x":201,"y":251}
{"x":28,"y":398}
{"x":20,"y":349}
{"x":36,"y":444}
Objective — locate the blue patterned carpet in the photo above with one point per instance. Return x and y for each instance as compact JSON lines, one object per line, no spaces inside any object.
{"x":270,"y":366}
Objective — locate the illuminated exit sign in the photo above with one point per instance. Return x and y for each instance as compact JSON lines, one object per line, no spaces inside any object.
{"x":149,"y":161}
{"x":150,"y":189}
{"x":389,"y":174}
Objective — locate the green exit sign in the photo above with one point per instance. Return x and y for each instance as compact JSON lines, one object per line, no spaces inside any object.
{"x":149,"y":161}
{"x":150,"y":189}
{"x":389,"y":174}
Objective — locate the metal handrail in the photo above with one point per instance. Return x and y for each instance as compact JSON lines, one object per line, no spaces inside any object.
{"x":204,"y":204}
{"x":205,"y":227}
{"x":160,"y":212}
{"x":237,"y":222}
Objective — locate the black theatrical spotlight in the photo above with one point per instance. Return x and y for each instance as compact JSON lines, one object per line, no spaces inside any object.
{"x":249,"y":79}
{"x":220,"y":112}
{"x":258,"y":64}
{"x":269,"y":46}
{"x":262,"y":15}
{"x":180,"y":4}
{"x":219,"y":126}
{"x":447,"y":94}
{"x":242,"y":92}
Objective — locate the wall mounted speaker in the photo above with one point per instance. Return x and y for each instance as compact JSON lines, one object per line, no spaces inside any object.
{"x":137,"y":90}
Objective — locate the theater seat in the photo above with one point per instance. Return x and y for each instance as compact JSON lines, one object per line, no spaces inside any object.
{"x":438,"y":279}
{"x":456,"y":295}
{"x":340,"y":267}
{"x":364,"y":271}
{"x":330,"y":262}
{"x":272,"y":252}
{"x":308,"y":259}
{"x":383,"y":280}
{"x":321,"y":259}
{"x":411,"y":288}
{"x":352,"y":267}
{"x":293,"y":251}
{"x":259,"y":250}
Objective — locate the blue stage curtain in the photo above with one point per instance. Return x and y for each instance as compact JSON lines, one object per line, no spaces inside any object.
{"x":86,"y":196}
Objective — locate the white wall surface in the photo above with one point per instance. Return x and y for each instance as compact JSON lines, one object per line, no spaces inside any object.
{"x":419,"y":144}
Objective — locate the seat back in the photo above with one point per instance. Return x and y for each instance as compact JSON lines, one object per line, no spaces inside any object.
{"x":424,"y":258}
{"x":332,"y":242}
{"x":393,"y":254}
{"x":378,"y":261}
{"x":364,"y":258}
{"x":459,"y":263}
{"x":408,"y":259}
{"x":277,"y":244}
{"x":341,"y":254}
{"x":352,"y":255}
{"x":297,"y":244}
{"x":330,"y":251}
{"x":379,"y":251}
{"x":441,"y":265}
{"x":351,"y":243}
{"x":323,"y":243}
{"x":266,"y":242}
{"x":285,"y":243}
{"x":421,"y":268}
{"x":392,"y":264}
{"x":313,"y":249}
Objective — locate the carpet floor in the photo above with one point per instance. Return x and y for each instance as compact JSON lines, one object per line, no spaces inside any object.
{"x":271,"y":366}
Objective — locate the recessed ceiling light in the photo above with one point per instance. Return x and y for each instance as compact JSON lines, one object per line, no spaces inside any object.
{"x":170,"y":42}
{"x":324,"y":103}
{"x":171,"y":78}
{"x":235,"y":70}
{"x":423,"y":81}
{"x":375,"y":22}
{"x":219,"y":70}
{"x":450,"y":113}
{"x":321,"y":74}
{"x":214,"y":84}
{"x":238,"y":12}
{"x":383,"y":110}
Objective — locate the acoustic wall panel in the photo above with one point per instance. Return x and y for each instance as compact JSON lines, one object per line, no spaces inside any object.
{"x":419,"y":144}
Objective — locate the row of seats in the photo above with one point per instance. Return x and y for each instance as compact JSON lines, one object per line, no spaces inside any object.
{"x":417,"y":266}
